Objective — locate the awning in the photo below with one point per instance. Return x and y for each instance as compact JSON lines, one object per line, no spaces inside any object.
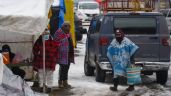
{"x":19,"y":21}
{"x":24,"y":16}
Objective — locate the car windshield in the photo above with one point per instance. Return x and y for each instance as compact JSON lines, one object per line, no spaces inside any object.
{"x":88,"y":6}
{"x":136,"y":25}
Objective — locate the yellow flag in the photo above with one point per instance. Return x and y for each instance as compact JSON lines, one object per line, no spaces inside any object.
{"x":50,"y":13}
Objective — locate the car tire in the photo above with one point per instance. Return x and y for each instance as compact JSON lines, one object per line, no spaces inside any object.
{"x":100,"y":74}
{"x":162,"y":77}
{"x":88,"y":70}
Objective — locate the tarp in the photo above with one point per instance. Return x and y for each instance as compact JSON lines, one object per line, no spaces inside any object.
{"x":19,"y":21}
{"x":13,"y":85}
{"x":24,"y":16}
{"x":18,"y":42}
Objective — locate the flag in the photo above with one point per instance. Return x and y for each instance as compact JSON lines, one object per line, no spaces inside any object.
{"x":61,"y":13}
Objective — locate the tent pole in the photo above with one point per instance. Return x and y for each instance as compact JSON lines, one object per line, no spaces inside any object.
{"x":44,"y":77}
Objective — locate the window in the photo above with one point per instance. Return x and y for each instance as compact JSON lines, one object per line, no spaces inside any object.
{"x":92,"y":27}
{"x":98,"y":26}
{"x":166,"y":13}
{"x":107,"y":25}
{"x":88,"y":6}
{"x":136,"y":25}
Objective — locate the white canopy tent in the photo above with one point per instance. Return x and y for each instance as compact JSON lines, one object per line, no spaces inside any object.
{"x":24,"y":16}
{"x":20,"y":21}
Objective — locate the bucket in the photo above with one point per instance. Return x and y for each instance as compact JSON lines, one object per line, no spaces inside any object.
{"x":5,"y":56}
{"x":133,"y":75}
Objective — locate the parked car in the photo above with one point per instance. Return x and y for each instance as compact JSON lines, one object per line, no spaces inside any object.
{"x":86,"y":10}
{"x":148,"y":30}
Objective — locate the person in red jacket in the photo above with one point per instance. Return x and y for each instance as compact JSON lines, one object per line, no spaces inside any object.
{"x":50,"y":58}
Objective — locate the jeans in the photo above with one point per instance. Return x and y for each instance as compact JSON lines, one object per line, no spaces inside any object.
{"x":63,"y":71}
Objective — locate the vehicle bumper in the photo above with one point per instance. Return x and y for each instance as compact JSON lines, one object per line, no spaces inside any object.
{"x":146,"y":66}
{"x":105,"y":66}
{"x":154,"y":66}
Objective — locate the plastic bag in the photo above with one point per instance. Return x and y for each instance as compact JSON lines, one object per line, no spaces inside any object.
{"x":133,"y":75}
{"x":17,"y":59}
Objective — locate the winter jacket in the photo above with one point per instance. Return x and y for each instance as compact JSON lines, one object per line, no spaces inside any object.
{"x":66,"y":49}
{"x":51,"y":54}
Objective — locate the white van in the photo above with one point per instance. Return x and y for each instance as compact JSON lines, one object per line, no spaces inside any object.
{"x":87,"y":9}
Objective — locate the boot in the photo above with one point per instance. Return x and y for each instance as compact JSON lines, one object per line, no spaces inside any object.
{"x":47,"y":90}
{"x":60,"y":84}
{"x":35,"y":84}
{"x":130,"y":88}
{"x":65,"y":84}
{"x":114,"y":88}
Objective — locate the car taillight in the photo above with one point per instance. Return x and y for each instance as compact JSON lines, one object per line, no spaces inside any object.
{"x":103,"y":41}
{"x":165,"y":42}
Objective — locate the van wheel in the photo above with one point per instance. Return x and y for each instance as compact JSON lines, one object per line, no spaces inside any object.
{"x":100,"y":74}
{"x":88,"y":70}
{"x":162,"y":76}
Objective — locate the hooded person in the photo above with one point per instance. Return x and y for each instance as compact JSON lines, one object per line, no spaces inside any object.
{"x":6,"y":48}
{"x":65,"y":53}
{"x":120,"y":53}
{"x":15,"y":70}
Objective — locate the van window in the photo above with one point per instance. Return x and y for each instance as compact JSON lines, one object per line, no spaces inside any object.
{"x":166,"y":13}
{"x":98,"y":26}
{"x":88,"y":6}
{"x":92,"y":27}
{"x":107,"y":25}
{"x":136,"y":25}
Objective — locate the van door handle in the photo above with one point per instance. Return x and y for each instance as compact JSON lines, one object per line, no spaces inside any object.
{"x":153,"y":37}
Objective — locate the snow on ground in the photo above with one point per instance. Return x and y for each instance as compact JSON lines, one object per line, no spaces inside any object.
{"x":87,"y":86}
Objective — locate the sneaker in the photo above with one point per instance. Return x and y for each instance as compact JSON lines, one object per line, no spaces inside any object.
{"x":113,"y":89}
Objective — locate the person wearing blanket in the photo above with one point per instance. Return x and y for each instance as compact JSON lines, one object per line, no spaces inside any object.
{"x":120,"y":54}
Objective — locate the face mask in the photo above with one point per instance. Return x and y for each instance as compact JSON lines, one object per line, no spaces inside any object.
{"x":46,"y":37}
{"x":119,"y":39}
